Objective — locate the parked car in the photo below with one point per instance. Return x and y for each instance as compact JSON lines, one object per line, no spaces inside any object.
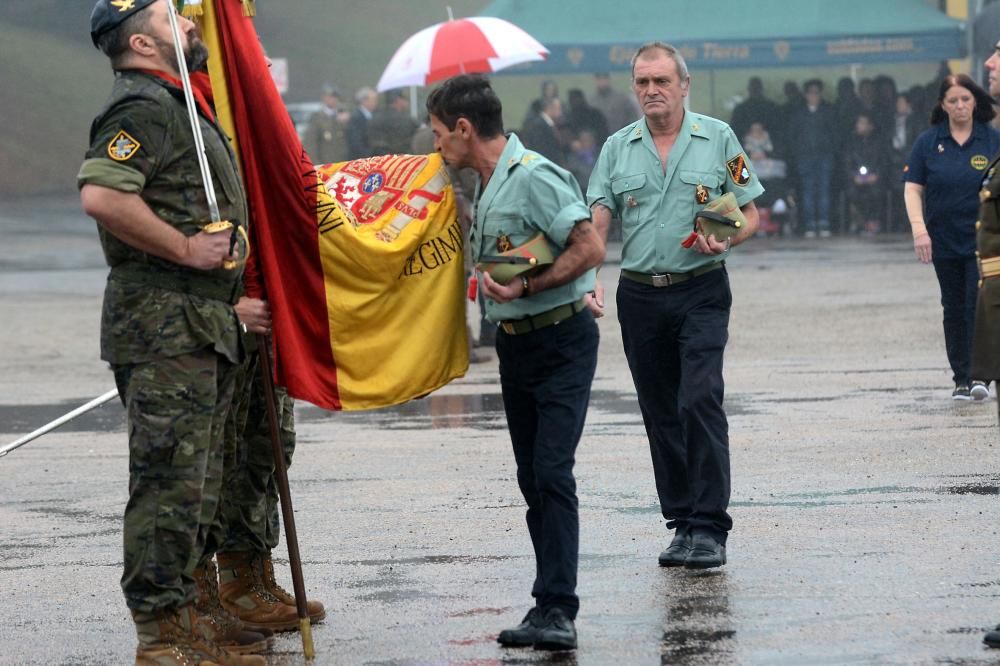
{"x":300,"y":113}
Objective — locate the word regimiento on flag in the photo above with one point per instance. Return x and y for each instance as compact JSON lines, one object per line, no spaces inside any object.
{"x":362,"y":262}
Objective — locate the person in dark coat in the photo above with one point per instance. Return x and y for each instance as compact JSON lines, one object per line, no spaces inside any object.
{"x":582,"y":117}
{"x":864,"y":171}
{"x":541,"y":132}
{"x":366,"y":100}
{"x":755,"y":108}
{"x":391,"y":129}
{"x":812,"y":143}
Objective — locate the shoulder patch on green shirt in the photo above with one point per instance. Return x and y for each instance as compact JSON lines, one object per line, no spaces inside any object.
{"x":738,"y":170}
{"x":123,"y":147}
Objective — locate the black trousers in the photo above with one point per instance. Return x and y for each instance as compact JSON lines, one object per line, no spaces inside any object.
{"x":545,"y":376}
{"x":674,"y":340}
{"x":958,"y":279}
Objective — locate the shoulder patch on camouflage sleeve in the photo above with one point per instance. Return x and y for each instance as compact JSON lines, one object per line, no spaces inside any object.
{"x":123,"y":147}
{"x":738,"y":170}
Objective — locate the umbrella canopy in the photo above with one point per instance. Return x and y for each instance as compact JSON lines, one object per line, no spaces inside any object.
{"x":463,"y":46}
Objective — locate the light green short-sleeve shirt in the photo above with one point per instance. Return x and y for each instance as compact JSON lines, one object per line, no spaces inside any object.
{"x":657,"y":208}
{"x":528,"y":194}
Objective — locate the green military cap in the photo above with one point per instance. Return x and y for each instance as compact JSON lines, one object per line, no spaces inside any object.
{"x":108,"y":14}
{"x":720,"y":217}
{"x":505,"y":266}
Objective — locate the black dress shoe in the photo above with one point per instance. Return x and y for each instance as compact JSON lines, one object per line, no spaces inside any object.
{"x":524,"y":634}
{"x":677,"y":552}
{"x":992,"y":639}
{"x":556,"y":632}
{"x":706,"y":553}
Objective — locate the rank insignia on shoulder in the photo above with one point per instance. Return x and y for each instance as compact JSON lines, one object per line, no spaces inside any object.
{"x":738,"y":170}
{"x":701,"y":194}
{"x":503,"y":243}
{"x":123,"y":147}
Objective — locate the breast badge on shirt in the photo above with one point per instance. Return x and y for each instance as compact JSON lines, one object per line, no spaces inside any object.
{"x":701,"y":194}
{"x":738,"y":170}
{"x":123,"y":147}
{"x":979,"y":162}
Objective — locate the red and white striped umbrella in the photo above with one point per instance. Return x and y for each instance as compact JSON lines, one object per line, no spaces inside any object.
{"x":463,"y":46}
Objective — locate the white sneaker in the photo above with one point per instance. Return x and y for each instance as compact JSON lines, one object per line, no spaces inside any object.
{"x":824,"y":233}
{"x":809,"y":234}
{"x":979,"y":390}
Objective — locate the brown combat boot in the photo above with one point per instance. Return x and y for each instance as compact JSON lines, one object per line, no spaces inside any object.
{"x":242,"y":592}
{"x":219,"y":625}
{"x":170,"y":639}
{"x":315,"y":608}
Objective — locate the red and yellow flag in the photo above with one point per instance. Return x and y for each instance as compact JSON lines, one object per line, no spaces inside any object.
{"x":362,"y":262}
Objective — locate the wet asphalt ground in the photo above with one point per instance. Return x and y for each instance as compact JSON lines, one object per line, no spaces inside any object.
{"x":865,"y":501}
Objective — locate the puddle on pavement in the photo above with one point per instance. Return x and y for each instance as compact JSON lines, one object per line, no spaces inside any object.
{"x":479,"y":411}
{"x":432,"y":559}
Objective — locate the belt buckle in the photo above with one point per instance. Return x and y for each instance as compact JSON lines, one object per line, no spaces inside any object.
{"x":661,"y":280}
{"x":508,"y":327}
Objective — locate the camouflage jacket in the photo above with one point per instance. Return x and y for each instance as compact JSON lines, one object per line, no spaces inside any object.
{"x":986,"y":344}
{"x":142,"y":143}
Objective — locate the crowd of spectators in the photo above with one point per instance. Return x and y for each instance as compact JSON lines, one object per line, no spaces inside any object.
{"x":837,"y":163}
{"x":830,"y":161}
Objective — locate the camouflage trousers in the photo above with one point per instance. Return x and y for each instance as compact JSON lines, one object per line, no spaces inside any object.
{"x":177,"y":409}
{"x":248,"y":517}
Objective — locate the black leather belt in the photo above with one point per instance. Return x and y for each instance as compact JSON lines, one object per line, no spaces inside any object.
{"x":668,"y":279}
{"x":542,"y":319}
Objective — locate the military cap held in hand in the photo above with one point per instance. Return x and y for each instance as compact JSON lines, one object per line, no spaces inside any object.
{"x":721,"y":218}
{"x":108,"y":14}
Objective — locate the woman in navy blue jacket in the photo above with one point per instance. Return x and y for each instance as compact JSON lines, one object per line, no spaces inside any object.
{"x":942,"y":181}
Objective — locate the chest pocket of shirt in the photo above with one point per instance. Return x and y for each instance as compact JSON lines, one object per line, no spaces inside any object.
{"x":689,"y":193}
{"x":629,"y":197}
{"x":502,"y":229}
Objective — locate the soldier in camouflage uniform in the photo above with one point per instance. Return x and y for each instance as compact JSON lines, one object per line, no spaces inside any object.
{"x":168,"y":327}
{"x":986,"y":341}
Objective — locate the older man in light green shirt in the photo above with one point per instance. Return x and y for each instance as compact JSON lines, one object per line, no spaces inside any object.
{"x":674,"y":298}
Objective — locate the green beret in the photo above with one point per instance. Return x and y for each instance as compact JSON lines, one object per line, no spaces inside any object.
{"x":108,"y":14}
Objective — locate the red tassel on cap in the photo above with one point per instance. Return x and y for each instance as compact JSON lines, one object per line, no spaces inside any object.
{"x":690,"y":240}
{"x":473,"y":288}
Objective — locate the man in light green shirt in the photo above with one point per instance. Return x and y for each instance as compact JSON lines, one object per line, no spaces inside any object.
{"x":673,"y":300}
{"x":547,"y":340}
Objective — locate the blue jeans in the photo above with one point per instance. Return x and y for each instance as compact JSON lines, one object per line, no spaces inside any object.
{"x":545,"y":376}
{"x":815,"y":172}
{"x":958,"y":279}
{"x":674,"y":341}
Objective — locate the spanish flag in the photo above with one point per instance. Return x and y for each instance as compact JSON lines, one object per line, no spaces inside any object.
{"x":362,"y":262}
